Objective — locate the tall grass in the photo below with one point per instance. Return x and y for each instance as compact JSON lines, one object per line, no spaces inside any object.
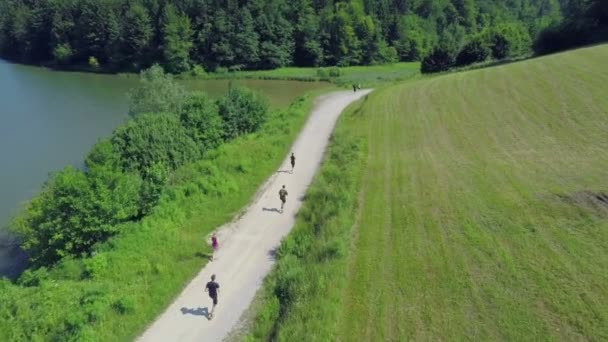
{"x":301,"y":298}
{"x":135,"y":275}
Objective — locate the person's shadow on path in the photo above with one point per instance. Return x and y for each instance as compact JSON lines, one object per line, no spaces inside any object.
{"x":196,"y":312}
{"x":272,"y":209}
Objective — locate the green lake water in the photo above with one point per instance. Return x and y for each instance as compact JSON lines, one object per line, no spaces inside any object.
{"x":49,"y":119}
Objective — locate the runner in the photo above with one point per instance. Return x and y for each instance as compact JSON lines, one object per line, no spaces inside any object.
{"x":293,"y":161}
{"x":354,"y":88}
{"x":215,"y":245}
{"x":283,"y":197}
{"x":213,"y":288}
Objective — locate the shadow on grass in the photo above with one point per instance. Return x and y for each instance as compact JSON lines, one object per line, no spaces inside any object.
{"x":196,"y":312}
{"x":202,"y":255}
{"x":272,"y":254}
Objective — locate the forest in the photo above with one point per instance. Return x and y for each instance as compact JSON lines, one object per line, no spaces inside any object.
{"x":131,"y":35}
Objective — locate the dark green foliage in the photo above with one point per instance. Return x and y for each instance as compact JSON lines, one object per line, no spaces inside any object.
{"x":177,"y":40}
{"x":243,"y":111}
{"x":200,"y":117}
{"x":157,"y":93}
{"x":440,"y":59}
{"x":76,"y":210}
{"x":250,"y":34}
{"x":585,"y":22}
{"x":473,"y":52}
{"x":154,"y":138}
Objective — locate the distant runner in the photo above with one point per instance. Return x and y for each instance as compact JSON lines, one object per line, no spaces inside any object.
{"x":354,"y":88}
{"x":213,"y":288}
{"x":214,"y":245}
{"x":283,"y":197}
{"x":293,"y":161}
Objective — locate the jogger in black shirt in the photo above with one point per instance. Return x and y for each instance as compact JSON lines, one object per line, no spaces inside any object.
{"x":213,"y":288}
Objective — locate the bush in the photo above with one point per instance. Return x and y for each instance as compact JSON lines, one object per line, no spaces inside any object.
{"x":440,"y":59}
{"x":63,"y":53}
{"x":198,"y":71}
{"x":75,"y":211}
{"x":243,"y":111}
{"x":335,"y":72}
{"x":151,"y":139}
{"x":95,"y":265}
{"x":157,"y":93}
{"x":474,"y":51}
{"x":200,"y":117}
{"x":507,"y":40}
{"x":93,"y":63}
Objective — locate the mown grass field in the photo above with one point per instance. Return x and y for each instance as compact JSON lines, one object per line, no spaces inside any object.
{"x":482,"y":214}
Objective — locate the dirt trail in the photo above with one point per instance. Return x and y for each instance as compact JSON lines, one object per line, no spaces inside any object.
{"x":246,"y":248}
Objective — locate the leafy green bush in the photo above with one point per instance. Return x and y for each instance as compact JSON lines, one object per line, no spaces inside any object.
{"x":243,"y":111}
{"x":198,"y":71}
{"x":200,"y":117}
{"x":440,"y":59}
{"x":474,"y":51}
{"x":63,"y":53}
{"x":74,"y":211}
{"x":157,"y":93}
{"x":154,"y":138}
{"x":93,"y":63}
{"x":335,"y":72}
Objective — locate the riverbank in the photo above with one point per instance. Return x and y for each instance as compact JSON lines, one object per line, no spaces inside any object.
{"x":138,"y":272}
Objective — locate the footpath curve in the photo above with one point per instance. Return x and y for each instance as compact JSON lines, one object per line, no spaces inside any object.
{"x":246,"y":245}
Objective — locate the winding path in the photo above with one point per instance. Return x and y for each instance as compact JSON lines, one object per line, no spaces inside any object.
{"x":245,"y":254}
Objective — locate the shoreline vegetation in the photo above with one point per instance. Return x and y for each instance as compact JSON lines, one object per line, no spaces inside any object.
{"x":141,"y":211}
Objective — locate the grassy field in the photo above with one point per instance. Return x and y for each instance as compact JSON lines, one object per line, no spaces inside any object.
{"x":365,"y":75}
{"x":483,"y":214}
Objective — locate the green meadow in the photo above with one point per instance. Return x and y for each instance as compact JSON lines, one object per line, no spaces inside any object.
{"x":365,"y":75}
{"x":469,"y":206}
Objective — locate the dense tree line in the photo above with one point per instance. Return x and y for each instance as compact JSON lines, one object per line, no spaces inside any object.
{"x":585,"y":22}
{"x":235,"y":34}
{"x":126,"y":174}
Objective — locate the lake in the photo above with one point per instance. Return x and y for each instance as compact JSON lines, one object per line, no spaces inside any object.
{"x":49,"y":119}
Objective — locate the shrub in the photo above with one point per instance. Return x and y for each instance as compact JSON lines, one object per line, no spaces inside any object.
{"x":243,"y":111}
{"x":197,"y":71}
{"x":440,"y":59}
{"x":157,"y":93}
{"x":93,"y":63}
{"x":74,"y":211}
{"x":151,"y":139}
{"x":95,"y":265}
{"x":63,"y":53}
{"x":200,"y":117}
{"x":474,"y":51}
{"x":124,"y":305}
{"x":335,"y":72}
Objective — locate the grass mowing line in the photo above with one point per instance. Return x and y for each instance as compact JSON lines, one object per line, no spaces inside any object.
{"x":141,"y":270}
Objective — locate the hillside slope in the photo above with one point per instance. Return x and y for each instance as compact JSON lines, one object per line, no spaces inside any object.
{"x":482,"y":214}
